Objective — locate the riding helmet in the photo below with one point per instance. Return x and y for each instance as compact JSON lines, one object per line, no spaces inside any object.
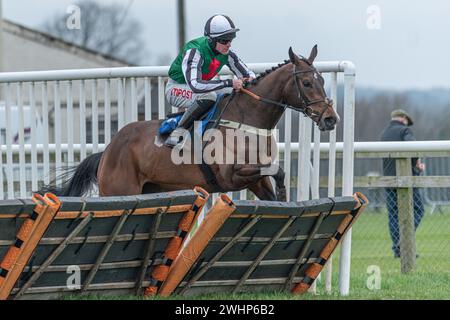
{"x":220,"y":26}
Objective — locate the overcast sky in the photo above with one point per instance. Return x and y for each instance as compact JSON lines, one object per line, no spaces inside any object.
{"x":396,"y":44}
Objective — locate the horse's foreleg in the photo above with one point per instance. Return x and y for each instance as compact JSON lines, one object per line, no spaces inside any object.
{"x":253,"y":176}
{"x":263,"y":189}
{"x":279,"y":183}
{"x":246,"y":174}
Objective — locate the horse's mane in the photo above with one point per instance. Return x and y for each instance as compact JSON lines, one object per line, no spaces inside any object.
{"x":265,"y":73}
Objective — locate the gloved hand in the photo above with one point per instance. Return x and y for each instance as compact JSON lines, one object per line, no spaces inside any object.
{"x":246,"y":81}
{"x":237,"y":84}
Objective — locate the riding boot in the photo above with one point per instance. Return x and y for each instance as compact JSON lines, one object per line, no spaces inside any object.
{"x":194,"y":113}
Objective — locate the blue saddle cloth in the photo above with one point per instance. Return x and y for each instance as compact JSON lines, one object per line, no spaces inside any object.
{"x":168,"y":125}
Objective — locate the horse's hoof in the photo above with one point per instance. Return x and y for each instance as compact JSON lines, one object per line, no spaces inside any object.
{"x":281,"y":194}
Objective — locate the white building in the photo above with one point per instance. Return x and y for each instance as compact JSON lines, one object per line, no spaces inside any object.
{"x":26,"y":49}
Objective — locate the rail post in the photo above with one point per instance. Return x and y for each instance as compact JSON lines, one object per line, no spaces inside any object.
{"x":406,"y":218}
{"x":347,"y":170}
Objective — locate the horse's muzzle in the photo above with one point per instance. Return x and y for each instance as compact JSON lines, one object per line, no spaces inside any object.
{"x":328,"y":123}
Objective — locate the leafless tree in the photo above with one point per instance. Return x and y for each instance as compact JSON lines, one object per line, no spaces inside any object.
{"x":106,"y":28}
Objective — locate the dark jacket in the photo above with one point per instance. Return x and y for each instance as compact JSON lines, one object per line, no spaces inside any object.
{"x":397,"y":131}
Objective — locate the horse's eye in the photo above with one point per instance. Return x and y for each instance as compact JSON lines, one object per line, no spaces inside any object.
{"x":307,"y":84}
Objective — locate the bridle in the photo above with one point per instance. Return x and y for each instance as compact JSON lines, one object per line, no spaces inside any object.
{"x":306,"y":104}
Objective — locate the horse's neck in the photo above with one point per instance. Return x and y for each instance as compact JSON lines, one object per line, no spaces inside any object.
{"x":247,"y":110}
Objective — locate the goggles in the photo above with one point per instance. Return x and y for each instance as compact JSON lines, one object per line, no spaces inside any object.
{"x":224,"y":41}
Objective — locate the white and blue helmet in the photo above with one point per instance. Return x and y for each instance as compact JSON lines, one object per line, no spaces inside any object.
{"x":220,"y":26}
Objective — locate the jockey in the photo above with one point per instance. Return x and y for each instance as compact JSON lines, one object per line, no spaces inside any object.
{"x":191,"y":85}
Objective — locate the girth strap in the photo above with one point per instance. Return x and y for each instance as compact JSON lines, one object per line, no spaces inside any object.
{"x":206,"y":170}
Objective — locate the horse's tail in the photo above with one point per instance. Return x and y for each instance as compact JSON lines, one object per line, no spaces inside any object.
{"x":78,"y":179}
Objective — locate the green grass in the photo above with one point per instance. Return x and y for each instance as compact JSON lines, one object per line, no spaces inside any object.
{"x":371,"y":246}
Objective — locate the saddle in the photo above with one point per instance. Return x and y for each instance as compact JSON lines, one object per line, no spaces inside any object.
{"x":207,"y":120}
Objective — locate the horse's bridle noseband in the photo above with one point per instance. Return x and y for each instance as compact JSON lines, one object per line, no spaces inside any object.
{"x":305,"y":102}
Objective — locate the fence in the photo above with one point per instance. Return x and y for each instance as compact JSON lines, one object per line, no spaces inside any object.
{"x":410,"y":232}
{"x":425,"y":250}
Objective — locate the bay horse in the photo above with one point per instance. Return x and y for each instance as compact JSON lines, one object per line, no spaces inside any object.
{"x":133,"y":163}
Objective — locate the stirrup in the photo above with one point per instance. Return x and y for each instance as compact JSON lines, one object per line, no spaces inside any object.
{"x":177,"y":136}
{"x":172,"y":141}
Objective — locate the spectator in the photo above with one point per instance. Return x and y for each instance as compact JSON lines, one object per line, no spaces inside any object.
{"x":398,"y":130}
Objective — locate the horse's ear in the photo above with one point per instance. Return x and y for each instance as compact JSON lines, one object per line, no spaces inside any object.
{"x":293,"y":56}
{"x":313,"y":54}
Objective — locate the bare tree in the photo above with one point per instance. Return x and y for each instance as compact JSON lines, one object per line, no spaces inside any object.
{"x":106,"y":28}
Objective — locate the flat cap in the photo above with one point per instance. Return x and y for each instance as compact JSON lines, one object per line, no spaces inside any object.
{"x":402,"y":113}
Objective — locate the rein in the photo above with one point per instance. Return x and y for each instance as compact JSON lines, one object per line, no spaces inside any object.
{"x":306,"y":103}
{"x":256,"y":97}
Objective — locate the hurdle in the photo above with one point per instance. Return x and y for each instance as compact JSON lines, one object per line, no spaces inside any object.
{"x":164,"y":244}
